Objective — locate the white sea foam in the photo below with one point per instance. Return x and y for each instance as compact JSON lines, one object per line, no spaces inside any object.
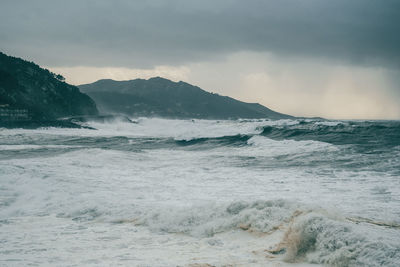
{"x":273,"y":147}
{"x":262,"y":203}
{"x":23,"y":147}
{"x":319,"y":239}
{"x":305,"y":233}
{"x":155,"y":127}
{"x":330,"y":123}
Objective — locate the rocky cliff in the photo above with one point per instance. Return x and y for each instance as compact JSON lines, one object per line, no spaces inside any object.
{"x":29,"y":92}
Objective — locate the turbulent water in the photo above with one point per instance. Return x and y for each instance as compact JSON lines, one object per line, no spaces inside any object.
{"x":198,"y":193}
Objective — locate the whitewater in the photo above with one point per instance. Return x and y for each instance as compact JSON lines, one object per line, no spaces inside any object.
{"x":159,"y":192}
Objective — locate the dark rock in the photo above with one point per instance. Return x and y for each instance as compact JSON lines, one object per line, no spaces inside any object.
{"x":24,"y":86}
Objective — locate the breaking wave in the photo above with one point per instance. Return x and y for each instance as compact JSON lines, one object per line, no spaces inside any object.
{"x":230,"y":140}
{"x":339,"y":133}
{"x":309,"y":234}
{"x":369,"y":135}
{"x":159,"y":183}
{"x":320,"y":239}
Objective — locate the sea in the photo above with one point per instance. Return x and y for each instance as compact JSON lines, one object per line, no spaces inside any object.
{"x":161,"y":192}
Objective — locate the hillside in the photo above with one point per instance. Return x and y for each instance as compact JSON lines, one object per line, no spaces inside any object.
{"x":165,"y":98}
{"x":29,"y":92}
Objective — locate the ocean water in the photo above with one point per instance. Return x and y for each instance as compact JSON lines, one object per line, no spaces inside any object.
{"x":202,"y":193}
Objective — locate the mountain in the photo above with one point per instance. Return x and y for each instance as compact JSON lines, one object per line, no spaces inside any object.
{"x":31,"y":93}
{"x":165,"y":98}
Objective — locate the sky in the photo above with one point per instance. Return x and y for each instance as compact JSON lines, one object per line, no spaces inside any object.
{"x":334,"y":59}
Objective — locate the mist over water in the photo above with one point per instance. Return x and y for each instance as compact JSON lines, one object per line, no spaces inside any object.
{"x":178,"y":192}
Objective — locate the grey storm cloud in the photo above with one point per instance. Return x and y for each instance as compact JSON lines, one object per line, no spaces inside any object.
{"x":148,"y":33}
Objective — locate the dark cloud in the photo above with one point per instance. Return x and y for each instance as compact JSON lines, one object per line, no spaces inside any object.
{"x":145,"y":33}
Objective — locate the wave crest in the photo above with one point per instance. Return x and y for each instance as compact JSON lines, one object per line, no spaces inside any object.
{"x":319,"y":239}
{"x":309,"y":234}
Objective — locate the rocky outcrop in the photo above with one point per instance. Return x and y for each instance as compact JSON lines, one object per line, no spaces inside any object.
{"x":36,"y":94}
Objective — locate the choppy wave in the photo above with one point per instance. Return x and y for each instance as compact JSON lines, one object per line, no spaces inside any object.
{"x":279,"y":147}
{"x":364,"y":133}
{"x":230,"y":140}
{"x":371,"y":135}
{"x":310,"y":234}
{"x":187,"y":132}
{"x":192,"y":184}
{"x":320,"y":239}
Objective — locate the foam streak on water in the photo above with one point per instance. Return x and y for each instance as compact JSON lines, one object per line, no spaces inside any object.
{"x":181,"y":192}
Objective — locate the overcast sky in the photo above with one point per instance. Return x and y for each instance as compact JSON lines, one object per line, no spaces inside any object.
{"x":336,"y":59}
